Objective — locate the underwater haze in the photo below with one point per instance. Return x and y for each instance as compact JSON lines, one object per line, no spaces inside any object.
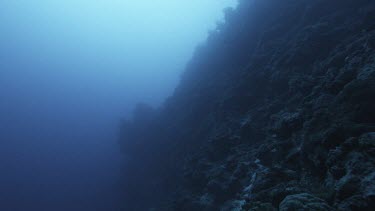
{"x":69,"y":71}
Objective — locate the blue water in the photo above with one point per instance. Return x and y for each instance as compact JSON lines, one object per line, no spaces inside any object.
{"x":69,"y":72}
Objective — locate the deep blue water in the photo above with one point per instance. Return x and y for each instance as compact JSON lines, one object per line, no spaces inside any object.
{"x":69,"y":72}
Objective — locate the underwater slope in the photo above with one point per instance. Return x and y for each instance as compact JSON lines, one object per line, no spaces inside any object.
{"x":274,"y":112}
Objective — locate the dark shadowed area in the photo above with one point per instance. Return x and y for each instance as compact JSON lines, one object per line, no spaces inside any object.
{"x":275,"y":112}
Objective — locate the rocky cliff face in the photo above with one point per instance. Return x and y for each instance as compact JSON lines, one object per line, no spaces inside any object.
{"x":275,"y":112}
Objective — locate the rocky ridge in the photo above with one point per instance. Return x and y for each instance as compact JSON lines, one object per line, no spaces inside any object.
{"x":274,"y":112}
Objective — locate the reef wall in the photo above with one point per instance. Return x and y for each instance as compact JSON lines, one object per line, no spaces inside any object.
{"x":276,"y":111}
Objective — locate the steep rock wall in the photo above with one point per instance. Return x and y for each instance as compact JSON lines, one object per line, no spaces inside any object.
{"x":274,"y":112}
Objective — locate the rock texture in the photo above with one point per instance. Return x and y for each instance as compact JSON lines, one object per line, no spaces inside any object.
{"x":275,"y":112}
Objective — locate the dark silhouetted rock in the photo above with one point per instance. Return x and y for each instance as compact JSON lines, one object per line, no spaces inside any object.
{"x":275,"y":110}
